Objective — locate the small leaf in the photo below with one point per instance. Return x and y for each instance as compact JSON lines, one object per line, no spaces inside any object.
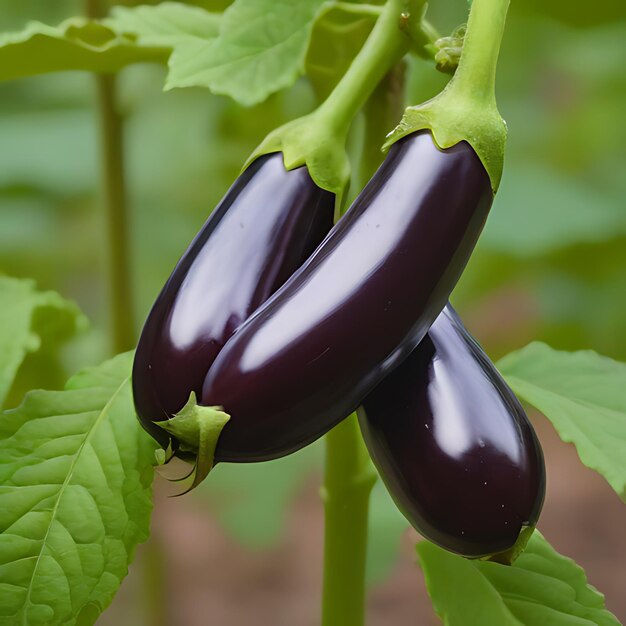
{"x":582,"y":394}
{"x":76,"y":44}
{"x":28,"y":319}
{"x":261,"y":49}
{"x":75,"y":497}
{"x":541,"y":587}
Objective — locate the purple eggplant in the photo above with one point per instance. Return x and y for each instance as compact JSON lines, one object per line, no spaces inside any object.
{"x":454,"y":446}
{"x":358,"y":307}
{"x":267,"y":224}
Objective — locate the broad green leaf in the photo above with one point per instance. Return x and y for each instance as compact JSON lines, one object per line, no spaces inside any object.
{"x":582,"y":394}
{"x":252,"y":501}
{"x":261,"y":49}
{"x":28,"y":319}
{"x":76,"y":44}
{"x":169,"y":24}
{"x":75,"y":497}
{"x":541,"y":587}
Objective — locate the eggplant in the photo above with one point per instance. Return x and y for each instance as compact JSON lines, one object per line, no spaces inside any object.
{"x":454,"y":446}
{"x":358,"y":306}
{"x":266,"y":225}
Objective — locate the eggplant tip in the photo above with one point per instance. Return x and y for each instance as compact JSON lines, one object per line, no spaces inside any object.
{"x":508,"y":557}
{"x":197,"y":429}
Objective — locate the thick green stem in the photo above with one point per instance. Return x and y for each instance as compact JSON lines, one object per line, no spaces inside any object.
{"x":466,"y":109}
{"x":348,"y":481}
{"x":115,"y":209}
{"x":349,"y":474}
{"x":476,"y":75}
{"x":386,"y":45}
{"x":114,"y":203}
{"x":317,"y":140}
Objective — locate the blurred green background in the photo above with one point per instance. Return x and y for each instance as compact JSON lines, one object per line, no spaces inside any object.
{"x":551,"y":264}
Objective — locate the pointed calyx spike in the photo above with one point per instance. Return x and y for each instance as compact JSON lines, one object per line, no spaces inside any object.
{"x":197,"y":429}
{"x":163,"y":457}
{"x":509,"y":556}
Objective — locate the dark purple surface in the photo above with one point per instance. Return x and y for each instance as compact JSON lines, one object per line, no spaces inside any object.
{"x":356,"y":308}
{"x":267,"y":224}
{"x":454,"y":446}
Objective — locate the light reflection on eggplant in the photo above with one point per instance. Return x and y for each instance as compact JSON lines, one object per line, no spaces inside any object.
{"x":454,"y":446}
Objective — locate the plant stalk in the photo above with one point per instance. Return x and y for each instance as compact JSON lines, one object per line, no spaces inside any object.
{"x":349,"y":473}
{"x":386,"y":45}
{"x":475,"y":76}
{"x":114,"y":204}
{"x":348,"y":481}
{"x":115,"y":210}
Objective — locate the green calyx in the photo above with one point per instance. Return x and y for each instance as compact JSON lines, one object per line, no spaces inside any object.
{"x":197,"y":429}
{"x":452,"y":120}
{"x":311,"y":142}
{"x":466,"y":109}
{"x":509,"y":556}
{"x":164,"y":456}
{"x":318,"y":140}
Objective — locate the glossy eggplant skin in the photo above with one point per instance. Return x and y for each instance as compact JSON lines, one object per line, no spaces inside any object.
{"x":356,"y":308}
{"x":454,"y":446}
{"x":266,"y":225}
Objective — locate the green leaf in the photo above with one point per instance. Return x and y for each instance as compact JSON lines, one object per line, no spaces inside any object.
{"x":28,"y":319}
{"x":75,"y":497}
{"x":541,"y":587}
{"x":582,"y":394}
{"x":261,"y":49}
{"x":251,"y":501}
{"x":169,"y":24}
{"x":76,"y":44}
